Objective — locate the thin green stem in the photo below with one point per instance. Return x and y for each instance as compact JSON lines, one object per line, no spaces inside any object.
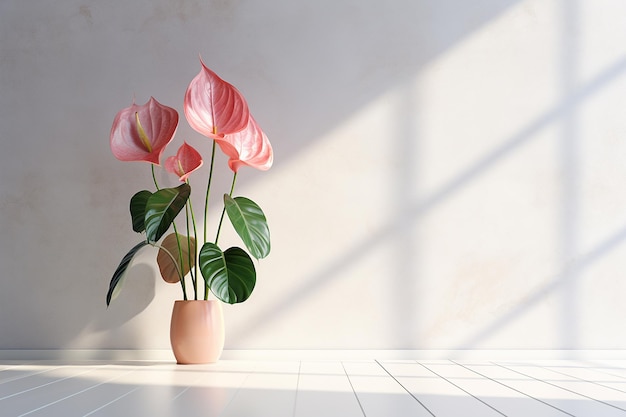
{"x":180,"y":256}
{"x":208,"y":191}
{"x":180,"y":252}
{"x":206,"y":209}
{"x":219,"y":227}
{"x":154,"y":177}
{"x":189,"y":252}
{"x":195,"y":236}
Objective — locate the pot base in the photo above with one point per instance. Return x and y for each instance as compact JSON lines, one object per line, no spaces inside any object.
{"x":197,"y":331}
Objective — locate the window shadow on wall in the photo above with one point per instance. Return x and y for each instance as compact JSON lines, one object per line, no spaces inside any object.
{"x":325,"y":61}
{"x":565,"y":283}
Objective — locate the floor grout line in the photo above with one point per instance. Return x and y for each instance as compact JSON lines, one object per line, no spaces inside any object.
{"x":501,"y":385}
{"x":245,"y":379}
{"x":295,"y":399}
{"x":465,"y":391}
{"x":353,"y":390}
{"x":78,"y":392}
{"x":410,"y":393}
{"x":582,"y":379}
{"x":602,"y":369}
{"x":560,"y":387}
{"x":46,"y":384}
{"x":112,"y":401}
{"x":17,"y":378}
{"x":513,"y":388}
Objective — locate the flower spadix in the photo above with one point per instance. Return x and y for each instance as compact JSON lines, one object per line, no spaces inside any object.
{"x":141,"y":132}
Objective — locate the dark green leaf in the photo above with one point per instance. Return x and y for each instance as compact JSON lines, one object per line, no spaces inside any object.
{"x":230,"y":274}
{"x":162,"y":208}
{"x":250,"y":223}
{"x":138,"y":209}
{"x":120,"y":272}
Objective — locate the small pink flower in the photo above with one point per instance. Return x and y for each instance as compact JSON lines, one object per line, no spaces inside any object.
{"x":249,"y":147}
{"x":214,"y":107}
{"x":186,"y":161}
{"x":141,"y":133}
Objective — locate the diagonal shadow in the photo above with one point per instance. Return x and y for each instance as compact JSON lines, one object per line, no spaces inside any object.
{"x":562,"y":279}
{"x":413,"y":212}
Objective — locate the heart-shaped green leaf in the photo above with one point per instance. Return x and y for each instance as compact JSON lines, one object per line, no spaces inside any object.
{"x":249,"y":221}
{"x":119,"y":274}
{"x":230,"y":274}
{"x":138,"y":210}
{"x":168,"y":257}
{"x":162,"y":208}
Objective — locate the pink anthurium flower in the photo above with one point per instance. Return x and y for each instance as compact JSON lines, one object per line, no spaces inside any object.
{"x":217,"y":110}
{"x":141,"y":133}
{"x":214,"y":107}
{"x":249,"y":147}
{"x":186,"y":161}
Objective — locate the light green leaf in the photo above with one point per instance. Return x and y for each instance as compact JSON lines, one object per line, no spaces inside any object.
{"x":250,"y":224}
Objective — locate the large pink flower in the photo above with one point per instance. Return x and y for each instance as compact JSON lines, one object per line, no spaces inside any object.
{"x":214,"y":107}
{"x":141,"y":133}
{"x":249,"y":147}
{"x":186,"y":161}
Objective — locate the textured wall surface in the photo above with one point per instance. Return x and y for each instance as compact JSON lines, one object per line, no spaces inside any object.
{"x":448,"y":174}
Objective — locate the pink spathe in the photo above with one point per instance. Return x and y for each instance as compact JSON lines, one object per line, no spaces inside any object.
{"x":217,"y":110}
{"x":141,"y":133}
{"x":186,"y":161}
{"x":249,"y":147}
{"x":214,"y":107}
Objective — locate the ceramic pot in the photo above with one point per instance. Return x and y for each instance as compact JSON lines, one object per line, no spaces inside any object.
{"x":197,"y":331}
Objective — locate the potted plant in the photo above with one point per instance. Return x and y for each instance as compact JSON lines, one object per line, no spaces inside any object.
{"x":218,"y":111}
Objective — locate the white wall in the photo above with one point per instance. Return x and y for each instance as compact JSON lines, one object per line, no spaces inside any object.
{"x":447,"y":175}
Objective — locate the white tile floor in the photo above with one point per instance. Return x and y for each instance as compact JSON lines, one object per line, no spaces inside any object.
{"x":381,"y":388}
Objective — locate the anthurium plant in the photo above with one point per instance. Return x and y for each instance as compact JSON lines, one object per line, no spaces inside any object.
{"x":219,"y":112}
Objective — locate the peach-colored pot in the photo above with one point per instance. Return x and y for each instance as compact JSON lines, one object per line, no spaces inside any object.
{"x":197,"y":331}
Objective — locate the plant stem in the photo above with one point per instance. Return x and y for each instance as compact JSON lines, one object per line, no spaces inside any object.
{"x":195,"y":236}
{"x":189,"y":254}
{"x":208,"y":191}
{"x":219,"y":227}
{"x":206,"y":209}
{"x":180,"y":256}
{"x":180,"y":252}
{"x":154,"y":178}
